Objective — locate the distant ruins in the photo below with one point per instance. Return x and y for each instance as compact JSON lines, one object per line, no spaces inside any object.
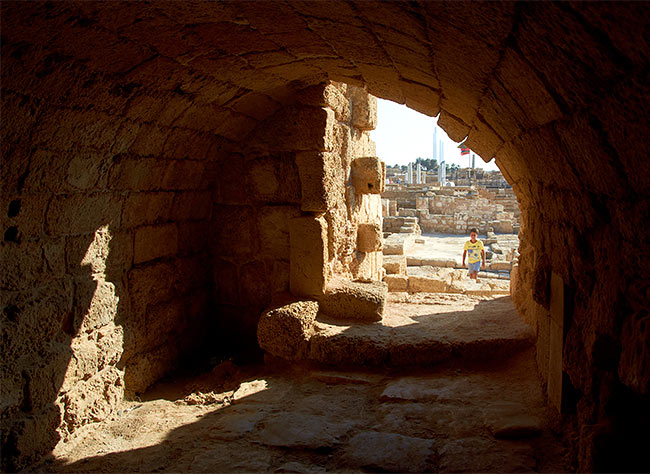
{"x":486,"y":203}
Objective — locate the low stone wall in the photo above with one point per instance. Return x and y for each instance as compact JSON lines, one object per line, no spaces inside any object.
{"x":429,"y":279}
{"x":454,"y":210}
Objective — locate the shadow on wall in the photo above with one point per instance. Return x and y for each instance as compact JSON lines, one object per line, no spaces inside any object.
{"x":63,"y":339}
{"x":85,"y":327}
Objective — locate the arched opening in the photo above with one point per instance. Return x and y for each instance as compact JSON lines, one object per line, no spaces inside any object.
{"x":155,"y":106}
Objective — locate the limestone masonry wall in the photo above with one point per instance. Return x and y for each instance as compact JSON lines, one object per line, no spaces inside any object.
{"x":290,"y":187}
{"x":455,"y":210}
{"x":119,"y":262}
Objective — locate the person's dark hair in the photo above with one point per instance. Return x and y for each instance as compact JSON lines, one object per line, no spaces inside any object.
{"x":473,"y":229}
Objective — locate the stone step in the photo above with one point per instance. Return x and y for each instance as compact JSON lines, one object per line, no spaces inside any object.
{"x":491,"y":330}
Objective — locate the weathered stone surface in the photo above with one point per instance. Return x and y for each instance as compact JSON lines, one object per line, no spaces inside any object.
{"x":397,"y":282}
{"x":462,"y":455}
{"x":511,"y":420}
{"x":154,"y":242}
{"x":363,"y":110}
{"x":368,"y":175}
{"x":285,"y":331}
{"x":354,"y":300}
{"x":395,"y":244}
{"x":395,"y":265}
{"x":390,"y":452}
{"x":425,"y":284}
{"x":294,"y":430}
{"x":308,"y":239}
{"x":369,"y":237}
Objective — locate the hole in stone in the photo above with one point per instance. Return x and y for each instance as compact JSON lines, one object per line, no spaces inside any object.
{"x":11,"y":312}
{"x":12,"y":234}
{"x":14,"y":208}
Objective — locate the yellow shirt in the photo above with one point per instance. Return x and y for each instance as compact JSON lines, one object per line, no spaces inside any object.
{"x":474,"y":250}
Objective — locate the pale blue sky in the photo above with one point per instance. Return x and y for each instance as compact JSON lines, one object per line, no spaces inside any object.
{"x":402,"y":135}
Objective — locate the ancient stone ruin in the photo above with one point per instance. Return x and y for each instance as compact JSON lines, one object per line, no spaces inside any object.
{"x":452,"y":210}
{"x":182,"y":180}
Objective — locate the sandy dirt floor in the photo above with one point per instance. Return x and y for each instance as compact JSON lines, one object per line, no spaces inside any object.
{"x":445,"y":246}
{"x":439,"y":246}
{"x":462,"y":415}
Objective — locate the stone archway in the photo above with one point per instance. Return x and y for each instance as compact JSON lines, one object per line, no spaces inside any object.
{"x":131,"y":116}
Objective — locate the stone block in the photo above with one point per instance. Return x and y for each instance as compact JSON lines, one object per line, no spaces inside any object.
{"x":389,"y":452}
{"x":308,"y":256}
{"x":235,"y":230}
{"x":364,"y":109}
{"x":335,"y":98}
{"x":296,"y":128}
{"x":395,"y":264}
{"x":150,"y":283}
{"x":318,"y":180}
{"x":421,"y":284}
{"x":192,"y":205}
{"x":396,"y":244}
{"x":456,"y":129}
{"x":500,"y":266}
{"x":285,"y":331}
{"x":367,"y":266}
{"x":193,"y":237}
{"x":368,"y":209}
{"x":511,"y":420}
{"x":255,"y":283}
{"x":439,"y":262}
{"x":272,"y":178}
{"x":397,"y":282}
{"x":344,"y":299}
{"x":152,"y":242}
{"x":369,"y":237}
{"x":79,"y":214}
{"x":367,"y":175}
{"x":146,"y":208}
{"x":30,"y":264}
{"x":144,"y":369}
{"x":143,"y":174}
{"x":274,"y":230}
{"x":161,"y":319}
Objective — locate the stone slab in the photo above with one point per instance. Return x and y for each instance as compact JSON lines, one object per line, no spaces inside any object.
{"x":302,"y":430}
{"x":354,"y":300}
{"x":511,"y":420}
{"x":389,"y":452}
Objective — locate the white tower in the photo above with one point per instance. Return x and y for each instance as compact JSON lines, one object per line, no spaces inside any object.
{"x":442,"y":167}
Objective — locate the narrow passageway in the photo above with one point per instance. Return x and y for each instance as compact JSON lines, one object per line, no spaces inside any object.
{"x":479,"y":409}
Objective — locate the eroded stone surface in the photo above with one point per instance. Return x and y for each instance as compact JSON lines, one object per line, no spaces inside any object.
{"x":285,"y":331}
{"x":389,"y":452}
